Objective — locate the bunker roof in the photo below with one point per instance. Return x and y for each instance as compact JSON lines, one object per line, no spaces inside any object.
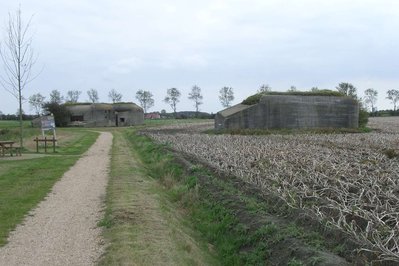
{"x":234,"y":109}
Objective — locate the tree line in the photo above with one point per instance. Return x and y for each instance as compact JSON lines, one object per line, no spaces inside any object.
{"x":145,"y":98}
{"x":226,"y":96}
{"x":368,"y":102}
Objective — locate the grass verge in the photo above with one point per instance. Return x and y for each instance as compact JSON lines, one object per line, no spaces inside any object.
{"x":24,"y":183}
{"x":141,"y":224}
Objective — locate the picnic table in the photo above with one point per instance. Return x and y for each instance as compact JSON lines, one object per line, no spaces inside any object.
{"x":8,"y":145}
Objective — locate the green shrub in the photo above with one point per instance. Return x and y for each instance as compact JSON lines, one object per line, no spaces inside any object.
{"x":363,"y":118}
{"x":253,"y":99}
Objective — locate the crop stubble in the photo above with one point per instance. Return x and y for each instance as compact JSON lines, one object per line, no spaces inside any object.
{"x":347,"y":180}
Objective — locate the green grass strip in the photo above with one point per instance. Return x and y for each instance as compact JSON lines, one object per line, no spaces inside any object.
{"x":24,"y":183}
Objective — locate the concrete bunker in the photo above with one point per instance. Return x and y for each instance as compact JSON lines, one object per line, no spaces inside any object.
{"x":291,"y":111}
{"x":105,"y":115}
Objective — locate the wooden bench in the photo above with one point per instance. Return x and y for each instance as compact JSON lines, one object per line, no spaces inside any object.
{"x":45,"y":140}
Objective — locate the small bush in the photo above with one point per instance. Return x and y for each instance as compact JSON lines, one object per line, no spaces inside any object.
{"x":363,"y":118}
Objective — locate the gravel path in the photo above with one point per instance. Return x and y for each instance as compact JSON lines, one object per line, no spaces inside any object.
{"x":63,"y":229}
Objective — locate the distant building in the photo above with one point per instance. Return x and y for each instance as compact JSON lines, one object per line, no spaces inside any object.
{"x":291,"y":111}
{"x":154,"y":115}
{"x":105,"y":115}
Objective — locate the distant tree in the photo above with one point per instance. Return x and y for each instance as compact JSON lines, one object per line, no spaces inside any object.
{"x":393,"y":95}
{"x":146,"y":99}
{"x":292,"y":89}
{"x":196,"y":96}
{"x":60,"y":112}
{"x":370,"y":98}
{"x":314,"y":89}
{"x":226,"y":96}
{"x":93,"y":95}
{"x":264,"y":88}
{"x":347,"y":89}
{"x":172,"y":98}
{"x":163,"y":111}
{"x":114,"y":96}
{"x":56,"y":97}
{"x":36,"y":101}
{"x":16,"y":52}
{"x":73,"y":96}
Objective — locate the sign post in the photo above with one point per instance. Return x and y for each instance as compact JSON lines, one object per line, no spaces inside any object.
{"x":48,"y":123}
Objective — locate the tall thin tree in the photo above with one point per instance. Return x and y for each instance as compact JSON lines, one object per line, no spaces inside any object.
{"x":146,"y":99}
{"x":226,"y":96}
{"x":172,"y":98}
{"x":93,"y":95}
{"x":370,"y":98}
{"x":73,"y":96}
{"x":18,"y":58}
{"x":196,"y":96}
{"x":114,"y":96}
{"x":56,"y":97}
{"x":393,"y":95}
{"x":37,"y":101}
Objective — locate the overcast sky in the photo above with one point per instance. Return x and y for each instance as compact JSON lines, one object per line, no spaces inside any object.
{"x":154,"y":45}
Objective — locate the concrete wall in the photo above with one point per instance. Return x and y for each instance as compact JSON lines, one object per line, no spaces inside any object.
{"x":289,"y":111}
{"x":130,"y":118}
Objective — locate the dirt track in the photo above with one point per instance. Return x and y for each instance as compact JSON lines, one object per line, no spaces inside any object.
{"x":63,"y":229}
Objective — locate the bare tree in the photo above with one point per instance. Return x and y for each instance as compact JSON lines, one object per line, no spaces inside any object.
{"x":114,"y":96}
{"x":196,"y":96}
{"x":36,"y":101}
{"x":292,"y":89}
{"x":56,"y":97}
{"x":73,"y":96}
{"x":172,"y":98}
{"x":370,"y":98}
{"x":145,"y":99}
{"x":347,"y":89}
{"x":264,"y":88}
{"x":393,"y":95}
{"x":226,"y":96}
{"x":93,"y":95}
{"x":18,"y":59}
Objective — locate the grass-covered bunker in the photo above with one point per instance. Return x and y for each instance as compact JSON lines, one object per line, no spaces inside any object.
{"x":105,"y":115}
{"x":303,"y":110}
